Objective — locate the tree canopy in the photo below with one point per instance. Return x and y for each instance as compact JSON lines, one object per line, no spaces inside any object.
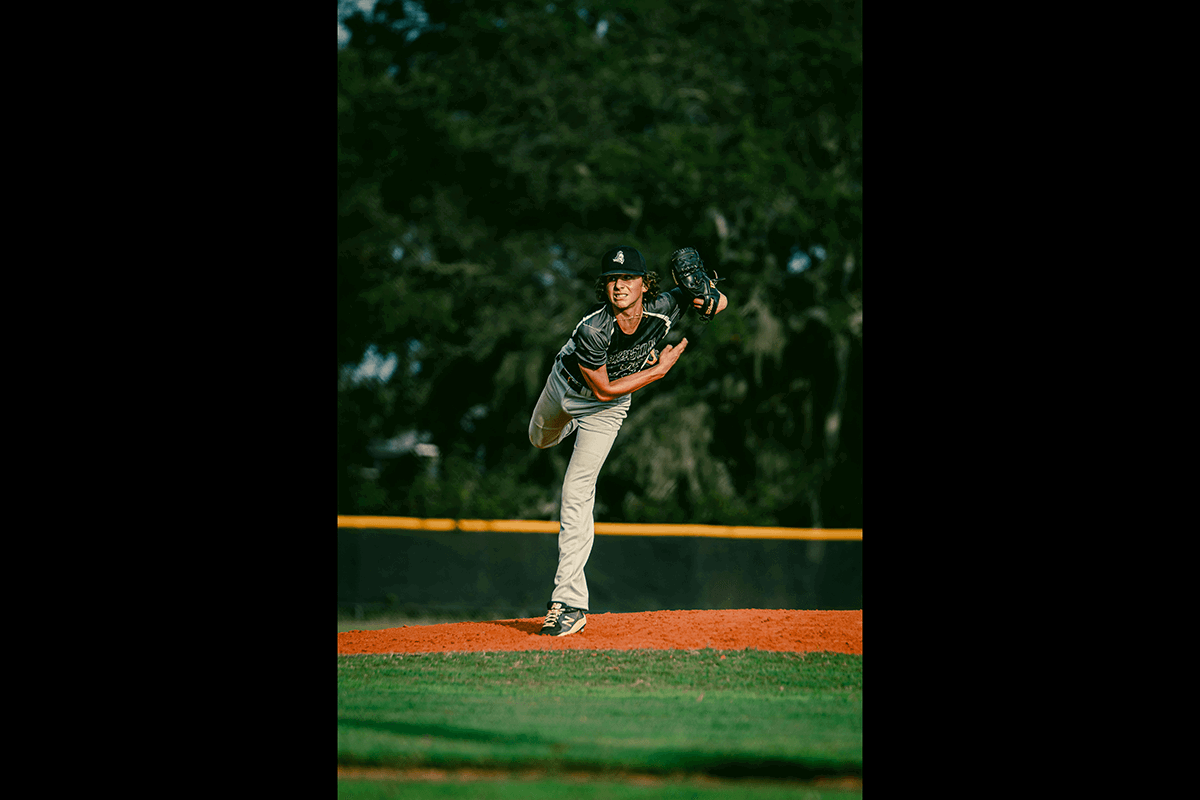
{"x":490,"y":152}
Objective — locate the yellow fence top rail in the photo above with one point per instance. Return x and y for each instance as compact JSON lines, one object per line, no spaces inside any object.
{"x":602,"y":528}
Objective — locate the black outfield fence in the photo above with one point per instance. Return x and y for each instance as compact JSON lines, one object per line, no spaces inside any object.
{"x":493,"y":573}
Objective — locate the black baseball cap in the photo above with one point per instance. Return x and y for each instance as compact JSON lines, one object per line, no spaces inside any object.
{"x":622,"y":261}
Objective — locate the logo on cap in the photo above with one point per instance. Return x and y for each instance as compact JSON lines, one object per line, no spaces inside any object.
{"x":619,"y":258}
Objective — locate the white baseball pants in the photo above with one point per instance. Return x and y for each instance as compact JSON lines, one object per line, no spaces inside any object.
{"x":560,"y":411}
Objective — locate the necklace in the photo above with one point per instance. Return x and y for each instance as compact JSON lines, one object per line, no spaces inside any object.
{"x":633,"y":321}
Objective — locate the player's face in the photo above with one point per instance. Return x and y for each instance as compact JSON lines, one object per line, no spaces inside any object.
{"x":625,"y":291}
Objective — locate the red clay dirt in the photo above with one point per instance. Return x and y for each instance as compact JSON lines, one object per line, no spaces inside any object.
{"x":742,"y":629}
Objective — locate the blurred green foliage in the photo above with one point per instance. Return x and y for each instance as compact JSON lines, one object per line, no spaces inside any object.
{"x":489,"y":152}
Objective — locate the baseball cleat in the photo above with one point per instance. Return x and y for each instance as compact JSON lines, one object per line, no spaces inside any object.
{"x":563,"y":620}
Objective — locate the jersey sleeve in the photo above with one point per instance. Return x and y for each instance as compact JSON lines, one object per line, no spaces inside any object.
{"x":677,"y":304}
{"x":591,"y":343}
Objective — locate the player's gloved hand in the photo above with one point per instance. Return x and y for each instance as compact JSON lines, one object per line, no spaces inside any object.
{"x":687,"y":269}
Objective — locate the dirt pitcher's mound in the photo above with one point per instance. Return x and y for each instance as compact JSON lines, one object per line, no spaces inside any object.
{"x":791,"y":631}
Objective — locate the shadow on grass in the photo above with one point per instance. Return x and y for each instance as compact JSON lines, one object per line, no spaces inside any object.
{"x":443,"y":732}
{"x":660,"y":762}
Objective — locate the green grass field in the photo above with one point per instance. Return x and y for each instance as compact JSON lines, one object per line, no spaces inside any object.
{"x":534,"y":788}
{"x":702,"y":723}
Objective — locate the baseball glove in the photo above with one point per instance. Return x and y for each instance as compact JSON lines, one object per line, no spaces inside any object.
{"x":688,"y":271}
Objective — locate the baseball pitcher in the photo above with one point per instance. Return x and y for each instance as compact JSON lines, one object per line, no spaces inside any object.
{"x":613,"y":352}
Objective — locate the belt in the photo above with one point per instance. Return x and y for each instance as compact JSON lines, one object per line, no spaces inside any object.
{"x":574,"y":384}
